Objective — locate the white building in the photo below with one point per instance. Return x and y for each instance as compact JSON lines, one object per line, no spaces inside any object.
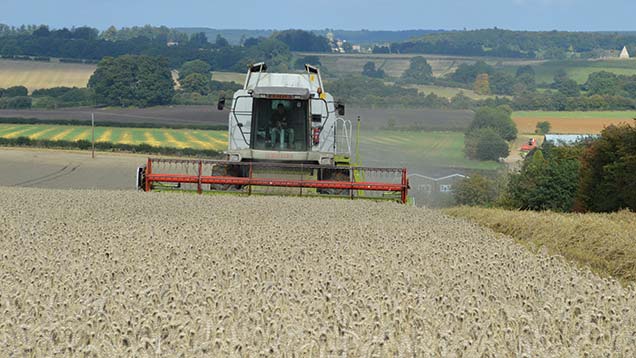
{"x":624,"y":54}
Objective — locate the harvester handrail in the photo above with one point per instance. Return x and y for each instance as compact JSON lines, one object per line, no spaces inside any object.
{"x":273,"y":164}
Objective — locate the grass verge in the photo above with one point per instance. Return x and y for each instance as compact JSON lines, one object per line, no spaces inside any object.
{"x":603,"y":242}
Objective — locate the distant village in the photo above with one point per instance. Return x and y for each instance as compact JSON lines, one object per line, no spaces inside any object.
{"x":343,"y":46}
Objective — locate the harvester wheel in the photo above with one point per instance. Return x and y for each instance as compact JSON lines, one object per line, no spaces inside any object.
{"x":335,"y":175}
{"x":141,"y":178}
{"x":230,"y":171}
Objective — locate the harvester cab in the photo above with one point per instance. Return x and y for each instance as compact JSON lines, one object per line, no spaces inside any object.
{"x":287,"y":117}
{"x":286,"y":136}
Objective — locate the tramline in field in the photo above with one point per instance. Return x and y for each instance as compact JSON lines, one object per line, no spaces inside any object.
{"x":287,"y":136}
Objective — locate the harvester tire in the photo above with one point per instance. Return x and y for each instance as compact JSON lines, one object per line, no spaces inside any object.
{"x":335,"y":175}
{"x":227,"y":170}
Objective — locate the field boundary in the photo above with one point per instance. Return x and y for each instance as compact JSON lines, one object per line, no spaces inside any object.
{"x":22,"y":142}
{"x":80,"y":122}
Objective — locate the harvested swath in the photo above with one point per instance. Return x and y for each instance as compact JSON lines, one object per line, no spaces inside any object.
{"x":101,"y":273}
{"x":604,"y":242}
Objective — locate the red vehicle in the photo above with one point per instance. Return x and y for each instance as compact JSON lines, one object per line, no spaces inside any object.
{"x":532,"y":143}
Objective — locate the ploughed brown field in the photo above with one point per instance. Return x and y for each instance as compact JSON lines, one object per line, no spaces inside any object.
{"x":426,"y":119}
{"x":164,"y":115}
{"x":567,"y":125}
{"x":118,"y":273}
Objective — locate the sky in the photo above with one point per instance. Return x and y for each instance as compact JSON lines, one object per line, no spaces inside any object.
{"x":572,"y":15}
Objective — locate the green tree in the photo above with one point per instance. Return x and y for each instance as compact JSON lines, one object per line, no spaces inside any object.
{"x":543,"y":127}
{"x":18,"y":102}
{"x":485,"y":144}
{"x":419,"y":71}
{"x":195,"y":66}
{"x":603,"y":83}
{"x":196,"y":83}
{"x":497,"y":119}
{"x":467,"y":74}
{"x":476,"y":190}
{"x":15,"y":91}
{"x":198,"y":40}
{"x":221,"y":41}
{"x":608,"y":175}
{"x":565,"y":85}
{"x":132,"y":81}
{"x":370,"y":70}
{"x":300,"y":40}
{"x":307,"y":60}
{"x":482,"y":84}
{"x":547,"y":182}
{"x":501,"y":83}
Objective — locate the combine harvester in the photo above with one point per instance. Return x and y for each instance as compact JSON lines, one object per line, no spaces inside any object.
{"x":287,"y":136}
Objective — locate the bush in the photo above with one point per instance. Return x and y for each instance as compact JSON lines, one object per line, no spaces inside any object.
{"x":107,"y":146}
{"x":476,"y":190}
{"x":45,"y":102}
{"x":15,"y":102}
{"x":51,"y":92}
{"x":485,"y":144}
{"x":543,"y":127}
{"x":15,"y":91}
{"x":78,"y":96}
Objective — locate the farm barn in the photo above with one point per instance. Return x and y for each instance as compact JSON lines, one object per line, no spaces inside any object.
{"x":429,"y":185}
{"x":566,"y":139}
{"x":433,"y":191}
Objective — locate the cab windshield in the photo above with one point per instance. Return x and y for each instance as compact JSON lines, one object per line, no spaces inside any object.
{"x":280,"y":124}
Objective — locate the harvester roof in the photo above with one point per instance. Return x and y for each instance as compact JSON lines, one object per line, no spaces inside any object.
{"x":281,"y":92}
{"x":294,"y":80}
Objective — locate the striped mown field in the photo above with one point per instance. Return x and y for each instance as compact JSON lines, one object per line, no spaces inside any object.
{"x":160,"y":137}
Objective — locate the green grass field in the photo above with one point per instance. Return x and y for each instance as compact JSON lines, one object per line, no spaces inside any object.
{"x":382,"y":148}
{"x":578,"y":70}
{"x":418,"y":150}
{"x":35,"y":75}
{"x":177,"y":138}
{"x":229,"y":77}
{"x":448,"y":92}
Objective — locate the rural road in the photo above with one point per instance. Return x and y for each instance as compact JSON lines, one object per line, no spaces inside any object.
{"x":67,"y":169}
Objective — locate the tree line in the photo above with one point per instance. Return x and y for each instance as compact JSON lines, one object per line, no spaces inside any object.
{"x":602,"y":91}
{"x":84,"y":43}
{"x":515,"y":44}
{"x":595,"y":174}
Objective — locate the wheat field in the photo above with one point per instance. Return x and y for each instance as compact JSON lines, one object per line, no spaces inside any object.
{"x":602,"y":241}
{"x":35,"y":75}
{"x":114,"y":273}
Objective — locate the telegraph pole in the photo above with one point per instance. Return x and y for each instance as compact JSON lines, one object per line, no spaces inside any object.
{"x":93,"y":135}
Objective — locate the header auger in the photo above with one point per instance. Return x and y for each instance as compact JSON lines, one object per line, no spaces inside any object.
{"x":286,"y":136}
